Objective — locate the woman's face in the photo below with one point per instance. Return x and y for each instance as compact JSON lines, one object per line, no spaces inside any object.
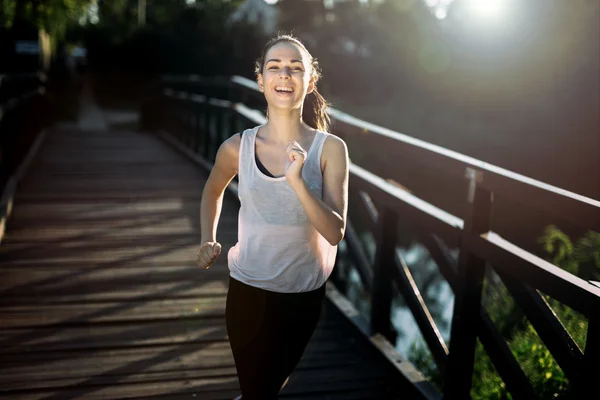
{"x":286,"y":76}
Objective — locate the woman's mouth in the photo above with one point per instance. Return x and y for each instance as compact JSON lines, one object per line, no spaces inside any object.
{"x":284,"y":89}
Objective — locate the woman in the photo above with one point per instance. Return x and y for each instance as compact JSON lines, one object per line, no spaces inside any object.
{"x":293,"y":184}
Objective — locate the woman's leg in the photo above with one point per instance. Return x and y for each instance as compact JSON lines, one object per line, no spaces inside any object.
{"x":268,"y":333}
{"x":298,"y":318}
{"x":250,"y":336}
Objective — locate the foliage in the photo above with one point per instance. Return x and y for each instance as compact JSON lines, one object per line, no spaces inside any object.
{"x":52,"y":16}
{"x":581,"y":259}
{"x":176,"y":39}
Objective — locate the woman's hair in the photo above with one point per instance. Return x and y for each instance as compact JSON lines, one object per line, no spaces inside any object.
{"x":314,"y":110}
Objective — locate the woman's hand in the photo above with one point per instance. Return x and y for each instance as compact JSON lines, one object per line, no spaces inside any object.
{"x":297,"y":156}
{"x":208,"y":254}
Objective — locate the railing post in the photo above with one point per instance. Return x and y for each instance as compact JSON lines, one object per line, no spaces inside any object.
{"x":467,"y":303}
{"x":207,"y":134}
{"x":184,"y":120}
{"x":590,"y":368}
{"x":189,"y":121}
{"x":382,"y":293}
{"x":196,"y":108}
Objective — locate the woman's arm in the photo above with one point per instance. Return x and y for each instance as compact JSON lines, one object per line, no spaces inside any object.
{"x":225,"y":168}
{"x":328,"y":216}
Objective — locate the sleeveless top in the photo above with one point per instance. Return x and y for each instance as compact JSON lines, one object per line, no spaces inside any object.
{"x":278,"y":248}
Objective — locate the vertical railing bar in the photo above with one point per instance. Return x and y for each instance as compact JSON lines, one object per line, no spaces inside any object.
{"x":412,"y":296}
{"x":357,"y":252}
{"x":466,"y":317}
{"x":382,"y":293}
{"x":590,"y":367}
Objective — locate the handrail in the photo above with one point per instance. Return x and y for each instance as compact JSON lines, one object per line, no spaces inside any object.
{"x":448,"y":225}
{"x":582,"y":210}
{"x":26,"y":86}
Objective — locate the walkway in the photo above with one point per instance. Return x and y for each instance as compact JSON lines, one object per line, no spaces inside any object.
{"x":101,"y":298}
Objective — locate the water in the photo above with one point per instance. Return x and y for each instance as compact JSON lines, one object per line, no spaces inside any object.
{"x":436,"y":293}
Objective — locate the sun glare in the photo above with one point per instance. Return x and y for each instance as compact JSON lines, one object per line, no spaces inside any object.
{"x":487,"y":10}
{"x":439,"y":8}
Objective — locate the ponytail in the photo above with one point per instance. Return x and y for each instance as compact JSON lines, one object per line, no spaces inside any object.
{"x":314,"y":111}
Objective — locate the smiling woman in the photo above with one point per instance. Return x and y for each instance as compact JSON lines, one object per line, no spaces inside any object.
{"x":301,"y":64}
{"x":292,"y":216}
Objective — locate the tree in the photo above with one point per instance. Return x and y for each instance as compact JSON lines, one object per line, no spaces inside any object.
{"x":51,"y":16}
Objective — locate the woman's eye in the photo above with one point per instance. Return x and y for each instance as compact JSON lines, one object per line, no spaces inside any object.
{"x":273,"y":67}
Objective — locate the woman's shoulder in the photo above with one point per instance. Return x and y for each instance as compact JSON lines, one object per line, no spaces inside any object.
{"x":334,"y":148}
{"x":232,"y":144}
{"x":230,"y":148}
{"x":333,"y":142}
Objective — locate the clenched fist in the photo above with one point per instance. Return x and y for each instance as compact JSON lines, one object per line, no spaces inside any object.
{"x":208,"y":254}
{"x":297,"y":156}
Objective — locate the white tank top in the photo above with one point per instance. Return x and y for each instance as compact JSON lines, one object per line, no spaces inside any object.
{"x":278,"y":248}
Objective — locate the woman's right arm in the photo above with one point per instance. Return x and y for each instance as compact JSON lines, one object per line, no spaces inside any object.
{"x":223,"y":171}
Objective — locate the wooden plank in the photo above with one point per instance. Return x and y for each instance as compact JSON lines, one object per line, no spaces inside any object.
{"x":156,"y":248}
{"x":110,"y":183}
{"x":127,"y":283}
{"x":110,"y":194}
{"x":82,"y":264}
{"x":142,"y":310}
{"x":104,"y":211}
{"x":184,"y":357}
{"x":324,"y":349}
{"x":97,"y":337}
{"x":130,"y":377}
{"x":111,"y":389}
{"x":123,"y":230}
{"x":109,"y":386}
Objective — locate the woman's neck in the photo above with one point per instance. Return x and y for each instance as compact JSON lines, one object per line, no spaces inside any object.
{"x":285,"y":127}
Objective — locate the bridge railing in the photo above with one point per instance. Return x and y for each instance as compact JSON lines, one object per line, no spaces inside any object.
{"x":18,"y":93}
{"x":202,"y":113}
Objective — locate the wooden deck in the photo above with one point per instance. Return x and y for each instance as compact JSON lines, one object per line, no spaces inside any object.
{"x":100,"y":297}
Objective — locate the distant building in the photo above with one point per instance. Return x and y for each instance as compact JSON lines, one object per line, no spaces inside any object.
{"x":256,"y":12}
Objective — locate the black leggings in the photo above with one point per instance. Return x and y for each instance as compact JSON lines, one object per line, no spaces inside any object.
{"x":268,"y":332}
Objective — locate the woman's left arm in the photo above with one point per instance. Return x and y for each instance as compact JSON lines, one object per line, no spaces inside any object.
{"x":328,"y":216}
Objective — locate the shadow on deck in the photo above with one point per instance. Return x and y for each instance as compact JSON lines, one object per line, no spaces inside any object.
{"x":101,"y":298}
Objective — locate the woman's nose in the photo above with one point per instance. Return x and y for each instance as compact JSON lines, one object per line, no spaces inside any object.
{"x":284,"y":72}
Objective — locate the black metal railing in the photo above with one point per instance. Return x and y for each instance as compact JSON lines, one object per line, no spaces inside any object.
{"x":23,"y":113}
{"x":202,"y":113}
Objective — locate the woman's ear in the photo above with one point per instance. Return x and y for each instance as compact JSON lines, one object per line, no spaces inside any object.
{"x":311,"y":85}
{"x":259,"y":80}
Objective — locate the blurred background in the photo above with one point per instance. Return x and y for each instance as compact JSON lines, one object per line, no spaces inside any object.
{"x":515,"y":83}
{"x":474,"y":76}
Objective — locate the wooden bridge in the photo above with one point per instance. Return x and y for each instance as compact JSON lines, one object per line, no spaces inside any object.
{"x":100,"y":297}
